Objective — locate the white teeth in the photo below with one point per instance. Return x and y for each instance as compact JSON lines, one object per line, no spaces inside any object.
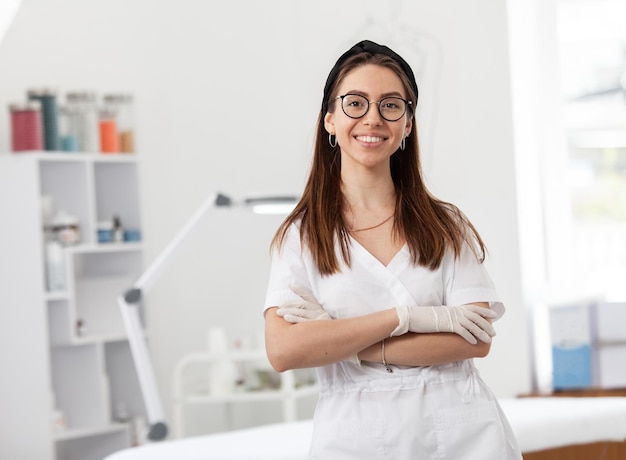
{"x":369,"y":139}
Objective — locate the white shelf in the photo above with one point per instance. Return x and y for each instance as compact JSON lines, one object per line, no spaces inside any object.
{"x":104,"y":247}
{"x":83,"y":372}
{"x":64,"y":157}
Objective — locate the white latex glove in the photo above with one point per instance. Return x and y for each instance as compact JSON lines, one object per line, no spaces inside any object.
{"x":468,"y":321}
{"x":300,"y":311}
{"x":306,"y":309}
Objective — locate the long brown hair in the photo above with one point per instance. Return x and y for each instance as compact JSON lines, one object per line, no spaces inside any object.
{"x":428,"y":224}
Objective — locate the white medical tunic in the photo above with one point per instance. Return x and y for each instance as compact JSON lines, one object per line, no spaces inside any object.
{"x":427,"y":412}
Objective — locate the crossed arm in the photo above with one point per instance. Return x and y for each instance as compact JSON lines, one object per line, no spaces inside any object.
{"x":318,"y":343}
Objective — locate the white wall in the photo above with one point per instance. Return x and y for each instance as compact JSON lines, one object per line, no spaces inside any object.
{"x":227,"y":94}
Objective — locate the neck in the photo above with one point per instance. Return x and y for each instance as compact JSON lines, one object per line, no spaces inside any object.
{"x":364,"y":194}
{"x":368,"y":206}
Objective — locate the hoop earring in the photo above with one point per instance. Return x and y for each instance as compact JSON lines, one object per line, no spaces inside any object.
{"x":330,"y":140}
{"x":403,"y":143}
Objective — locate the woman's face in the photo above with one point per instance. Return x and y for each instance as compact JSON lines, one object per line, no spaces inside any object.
{"x":368,"y":141}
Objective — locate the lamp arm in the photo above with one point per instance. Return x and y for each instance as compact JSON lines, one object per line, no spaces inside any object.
{"x":150,"y":274}
{"x":143,"y":366}
{"x":129,"y":306}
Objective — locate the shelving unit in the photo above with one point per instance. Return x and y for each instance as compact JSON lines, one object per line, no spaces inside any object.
{"x":66,"y":350}
{"x":290,"y":387}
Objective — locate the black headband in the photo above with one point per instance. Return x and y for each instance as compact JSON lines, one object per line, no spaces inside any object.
{"x":366,"y":46}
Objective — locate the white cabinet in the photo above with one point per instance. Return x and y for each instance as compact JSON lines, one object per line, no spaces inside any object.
{"x":66,"y":365}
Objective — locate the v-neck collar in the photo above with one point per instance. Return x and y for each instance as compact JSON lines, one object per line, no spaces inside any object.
{"x":399,"y":257}
{"x":386,"y":275}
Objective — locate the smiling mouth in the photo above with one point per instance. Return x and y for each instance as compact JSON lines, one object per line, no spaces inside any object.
{"x":369,"y":139}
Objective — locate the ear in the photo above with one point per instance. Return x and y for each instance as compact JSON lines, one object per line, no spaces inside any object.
{"x":329,"y":123}
{"x":408,"y":127}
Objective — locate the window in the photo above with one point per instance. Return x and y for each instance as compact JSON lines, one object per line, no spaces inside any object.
{"x":591,"y":46}
{"x":568,"y":61}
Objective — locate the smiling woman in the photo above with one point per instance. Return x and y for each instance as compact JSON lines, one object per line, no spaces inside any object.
{"x":380,"y":286}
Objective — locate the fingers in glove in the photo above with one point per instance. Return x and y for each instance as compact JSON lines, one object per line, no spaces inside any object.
{"x":302,"y":304}
{"x":478,"y":327}
{"x":481,"y":323}
{"x":482,"y":311}
{"x":294,"y":318}
{"x":479,"y":333}
{"x":295,"y":311}
{"x":466,"y":335}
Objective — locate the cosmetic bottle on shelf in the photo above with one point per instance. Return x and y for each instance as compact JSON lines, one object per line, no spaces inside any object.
{"x":49,"y":111}
{"x":55,"y":265}
{"x":26,"y":129}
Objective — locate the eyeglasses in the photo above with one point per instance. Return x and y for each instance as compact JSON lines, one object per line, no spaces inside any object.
{"x":390,"y":108}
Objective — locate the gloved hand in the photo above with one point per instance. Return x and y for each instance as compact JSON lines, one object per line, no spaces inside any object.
{"x":307,"y":309}
{"x":468,"y":321}
{"x":300,"y":311}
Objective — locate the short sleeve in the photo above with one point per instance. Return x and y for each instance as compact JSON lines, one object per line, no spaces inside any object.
{"x":288,"y":271}
{"x":467,"y":281}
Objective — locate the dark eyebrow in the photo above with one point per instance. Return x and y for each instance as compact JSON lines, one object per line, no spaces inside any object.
{"x":382,"y":96}
{"x":392,"y":94}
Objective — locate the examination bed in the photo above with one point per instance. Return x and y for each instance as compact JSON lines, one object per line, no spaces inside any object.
{"x":546,"y":429}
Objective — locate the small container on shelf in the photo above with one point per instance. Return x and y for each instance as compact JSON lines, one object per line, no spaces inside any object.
{"x":55,"y":266}
{"x":68,"y":129}
{"x":49,"y":111}
{"x":66,"y":228}
{"x":119,"y":106}
{"x":132,"y":235}
{"x":109,"y":135}
{"x":125,"y":122}
{"x":85,"y":106}
{"x":59,"y":424}
{"x":118,"y":230}
{"x":105,"y":232}
{"x":112,"y":231}
{"x":26,"y":128}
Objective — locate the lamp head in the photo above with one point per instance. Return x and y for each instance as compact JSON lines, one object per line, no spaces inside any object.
{"x":262,"y":205}
{"x":272,"y":204}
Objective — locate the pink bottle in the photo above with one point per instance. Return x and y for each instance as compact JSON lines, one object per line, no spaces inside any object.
{"x":26,"y":128}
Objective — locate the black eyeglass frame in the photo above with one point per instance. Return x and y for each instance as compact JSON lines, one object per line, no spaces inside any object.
{"x":407,"y":104}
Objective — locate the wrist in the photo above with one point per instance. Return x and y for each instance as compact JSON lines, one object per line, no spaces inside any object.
{"x":384,"y":361}
{"x":370,"y":354}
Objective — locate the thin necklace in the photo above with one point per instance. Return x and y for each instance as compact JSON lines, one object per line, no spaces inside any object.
{"x":354,"y":230}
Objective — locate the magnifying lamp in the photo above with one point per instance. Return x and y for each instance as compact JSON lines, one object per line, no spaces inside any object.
{"x":130,"y":300}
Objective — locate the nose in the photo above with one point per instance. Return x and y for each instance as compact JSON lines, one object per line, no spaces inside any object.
{"x":372,"y":116}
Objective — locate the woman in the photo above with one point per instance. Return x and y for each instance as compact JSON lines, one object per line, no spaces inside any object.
{"x":381,"y":287}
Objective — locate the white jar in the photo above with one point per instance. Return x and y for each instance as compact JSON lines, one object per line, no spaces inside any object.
{"x":65,"y":228}
{"x":55,"y":266}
